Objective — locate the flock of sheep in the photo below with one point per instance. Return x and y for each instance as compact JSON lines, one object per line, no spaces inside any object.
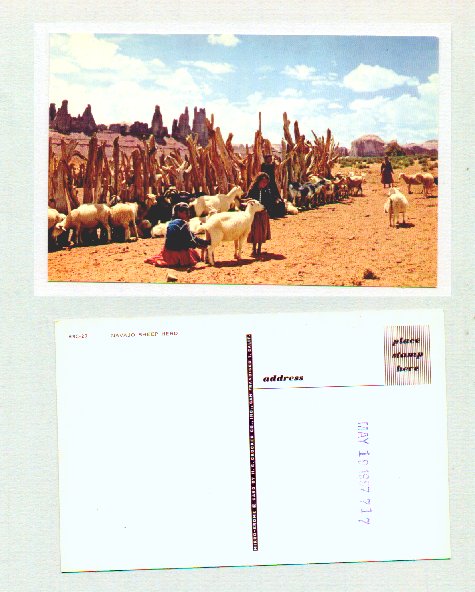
{"x":211,"y":213}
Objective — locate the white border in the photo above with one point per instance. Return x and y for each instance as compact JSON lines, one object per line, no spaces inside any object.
{"x":44,"y":288}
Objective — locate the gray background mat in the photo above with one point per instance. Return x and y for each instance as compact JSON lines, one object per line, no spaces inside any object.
{"x":29,"y":522}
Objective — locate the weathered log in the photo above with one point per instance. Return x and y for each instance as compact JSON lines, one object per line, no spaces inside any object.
{"x":225,"y":157}
{"x":197,"y":177}
{"x":217,"y":163}
{"x":287,"y":135}
{"x":100,"y":157}
{"x":137,"y":185}
{"x":60,"y":179}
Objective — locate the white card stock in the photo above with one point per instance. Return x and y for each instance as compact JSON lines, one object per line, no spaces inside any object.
{"x":252,"y":440}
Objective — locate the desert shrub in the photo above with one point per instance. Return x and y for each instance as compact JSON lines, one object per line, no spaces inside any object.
{"x":401,"y":162}
{"x":358,"y":162}
{"x":423,"y":159}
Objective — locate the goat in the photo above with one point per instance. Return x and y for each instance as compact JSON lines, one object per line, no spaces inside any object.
{"x":220,"y":202}
{"x":427,"y":181}
{"x":159,"y":230}
{"x":409,"y":180}
{"x":54,"y":217}
{"x":290,"y":208}
{"x":124,"y":215}
{"x":355,"y":184}
{"x":396,"y":204}
{"x":226,"y":226}
{"x":85,"y":216}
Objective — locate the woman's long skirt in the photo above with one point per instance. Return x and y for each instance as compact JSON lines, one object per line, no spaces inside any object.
{"x":167,"y":258}
{"x":260,"y":229}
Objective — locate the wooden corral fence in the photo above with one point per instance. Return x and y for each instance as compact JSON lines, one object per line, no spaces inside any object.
{"x":211,"y":169}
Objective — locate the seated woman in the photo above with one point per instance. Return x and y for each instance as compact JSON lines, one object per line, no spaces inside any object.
{"x":180,"y":242}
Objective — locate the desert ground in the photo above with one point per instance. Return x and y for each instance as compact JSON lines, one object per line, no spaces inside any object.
{"x":349,"y":243}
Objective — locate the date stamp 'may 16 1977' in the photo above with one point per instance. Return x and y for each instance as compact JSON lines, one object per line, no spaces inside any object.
{"x":364,"y":473}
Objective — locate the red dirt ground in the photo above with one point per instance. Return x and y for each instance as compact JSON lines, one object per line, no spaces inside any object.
{"x":333,"y":245}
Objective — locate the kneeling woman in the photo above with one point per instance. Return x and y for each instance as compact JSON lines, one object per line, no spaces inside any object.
{"x":180,"y":242}
{"x":260,"y":229}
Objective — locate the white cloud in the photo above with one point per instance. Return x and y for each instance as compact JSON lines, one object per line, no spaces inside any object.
{"x":430,"y":89}
{"x":366,"y":78}
{"x":290,"y":92}
{"x":308,"y":74}
{"x":63,"y":66}
{"x":226,"y":40}
{"x":371,"y":105}
{"x":157,"y":62}
{"x":126,"y":100}
{"x":407,"y":118}
{"x":299,"y":72}
{"x":335,"y":106}
{"x":87,"y":52}
{"x":213,"y":67}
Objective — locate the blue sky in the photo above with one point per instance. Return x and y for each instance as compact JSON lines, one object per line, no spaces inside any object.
{"x":352,"y":84}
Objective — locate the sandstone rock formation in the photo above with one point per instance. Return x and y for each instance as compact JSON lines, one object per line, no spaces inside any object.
{"x":199,"y":126}
{"x":369,"y":145}
{"x":119,"y":128}
{"x":139,"y":129}
{"x":84,"y":123}
{"x":158,"y":129}
{"x":62,"y":120}
{"x":430,"y":147}
{"x":52,"y":112}
{"x":181,"y":127}
{"x":342,"y":151}
{"x":65,"y":124}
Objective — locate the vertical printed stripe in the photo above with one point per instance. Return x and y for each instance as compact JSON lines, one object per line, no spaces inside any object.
{"x":407,"y":355}
{"x":252,"y":444}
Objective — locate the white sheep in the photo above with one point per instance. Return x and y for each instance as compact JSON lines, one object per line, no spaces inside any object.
{"x":196,"y":225}
{"x":54,"y":217}
{"x":85,"y":216}
{"x":220,"y":202}
{"x":396,"y":204}
{"x":231,"y":226}
{"x":159,"y":230}
{"x":124,"y":215}
{"x":145,"y":228}
{"x":427,"y":181}
{"x":409,"y":180}
{"x":290,"y":208}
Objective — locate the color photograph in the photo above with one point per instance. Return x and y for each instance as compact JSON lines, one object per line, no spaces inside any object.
{"x":229,"y":159}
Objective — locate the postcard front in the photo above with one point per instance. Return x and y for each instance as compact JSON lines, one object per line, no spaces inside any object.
{"x":343,"y":137}
{"x":250,"y":440}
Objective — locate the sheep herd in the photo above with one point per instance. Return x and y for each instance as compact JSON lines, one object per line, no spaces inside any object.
{"x":148,"y":218}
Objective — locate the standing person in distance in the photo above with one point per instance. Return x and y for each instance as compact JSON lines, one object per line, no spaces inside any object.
{"x":387,"y":173}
